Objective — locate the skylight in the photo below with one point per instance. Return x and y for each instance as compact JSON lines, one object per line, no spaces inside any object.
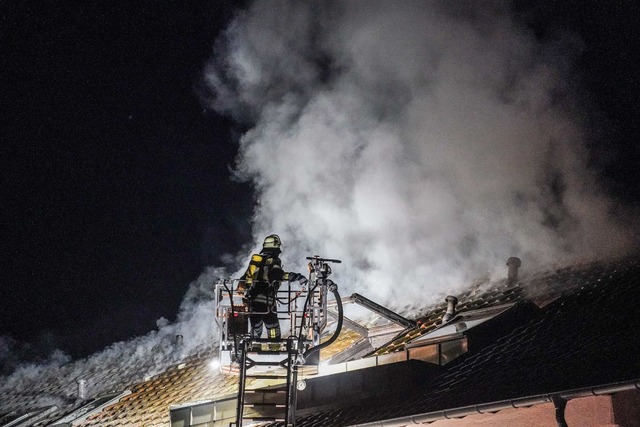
{"x":460,"y":325}
{"x":449,"y":341}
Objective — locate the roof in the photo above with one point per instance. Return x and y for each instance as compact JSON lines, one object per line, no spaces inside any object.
{"x":585,"y":338}
{"x":587,"y":313}
{"x":50,"y":391}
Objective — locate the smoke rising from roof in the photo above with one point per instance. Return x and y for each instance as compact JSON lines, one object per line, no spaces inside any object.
{"x":423,"y":143}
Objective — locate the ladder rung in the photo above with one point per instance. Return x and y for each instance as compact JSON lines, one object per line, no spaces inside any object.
{"x":265,"y":405}
{"x":266,"y":377}
{"x":261,"y":419}
{"x":266,"y":364}
{"x":266,"y":391}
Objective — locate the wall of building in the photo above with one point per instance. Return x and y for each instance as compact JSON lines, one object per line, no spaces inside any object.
{"x":626,"y":408}
{"x":622,"y":410}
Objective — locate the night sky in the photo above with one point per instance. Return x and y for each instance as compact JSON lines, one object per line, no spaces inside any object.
{"x":116,"y":185}
{"x":115,"y":182}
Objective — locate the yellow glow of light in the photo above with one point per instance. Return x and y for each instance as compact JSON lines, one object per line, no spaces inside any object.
{"x":214,"y":364}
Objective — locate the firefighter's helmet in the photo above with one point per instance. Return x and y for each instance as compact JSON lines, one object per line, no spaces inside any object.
{"x":272,"y":242}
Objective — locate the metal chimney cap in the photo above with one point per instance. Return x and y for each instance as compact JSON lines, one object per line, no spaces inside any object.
{"x":451,"y":308}
{"x":515,"y":261}
{"x":82,"y":389}
{"x":179,"y":340}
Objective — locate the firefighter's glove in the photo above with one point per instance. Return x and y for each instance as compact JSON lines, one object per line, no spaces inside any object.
{"x":297,"y":277}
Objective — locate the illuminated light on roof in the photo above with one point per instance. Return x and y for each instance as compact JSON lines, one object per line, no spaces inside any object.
{"x":214,"y":365}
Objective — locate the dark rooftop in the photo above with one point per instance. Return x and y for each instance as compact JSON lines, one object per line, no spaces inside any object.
{"x":560,"y":330}
{"x":587,"y":337}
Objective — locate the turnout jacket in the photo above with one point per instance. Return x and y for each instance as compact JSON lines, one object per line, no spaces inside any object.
{"x":261,"y":280}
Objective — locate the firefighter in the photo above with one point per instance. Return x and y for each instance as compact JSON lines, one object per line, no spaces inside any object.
{"x":260,"y":283}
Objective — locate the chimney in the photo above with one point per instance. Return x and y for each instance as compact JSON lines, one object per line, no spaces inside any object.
{"x":82,"y":389}
{"x":179,"y":341}
{"x":513,"y":263}
{"x":451,"y":308}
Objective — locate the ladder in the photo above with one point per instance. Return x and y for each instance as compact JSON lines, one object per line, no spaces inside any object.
{"x":276,"y":404}
{"x":239,"y":353}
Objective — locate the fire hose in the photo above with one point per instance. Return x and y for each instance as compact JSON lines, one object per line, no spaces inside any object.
{"x":334,"y":289}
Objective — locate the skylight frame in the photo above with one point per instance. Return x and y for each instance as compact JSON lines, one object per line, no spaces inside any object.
{"x":459,"y":326}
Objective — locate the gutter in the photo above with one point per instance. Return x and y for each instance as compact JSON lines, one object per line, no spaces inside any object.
{"x":429,"y":417}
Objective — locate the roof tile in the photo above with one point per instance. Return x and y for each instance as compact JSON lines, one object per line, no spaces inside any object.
{"x":581,"y":339}
{"x":590,"y":316}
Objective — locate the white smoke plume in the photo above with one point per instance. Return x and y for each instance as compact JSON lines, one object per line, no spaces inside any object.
{"x":422,"y":143}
